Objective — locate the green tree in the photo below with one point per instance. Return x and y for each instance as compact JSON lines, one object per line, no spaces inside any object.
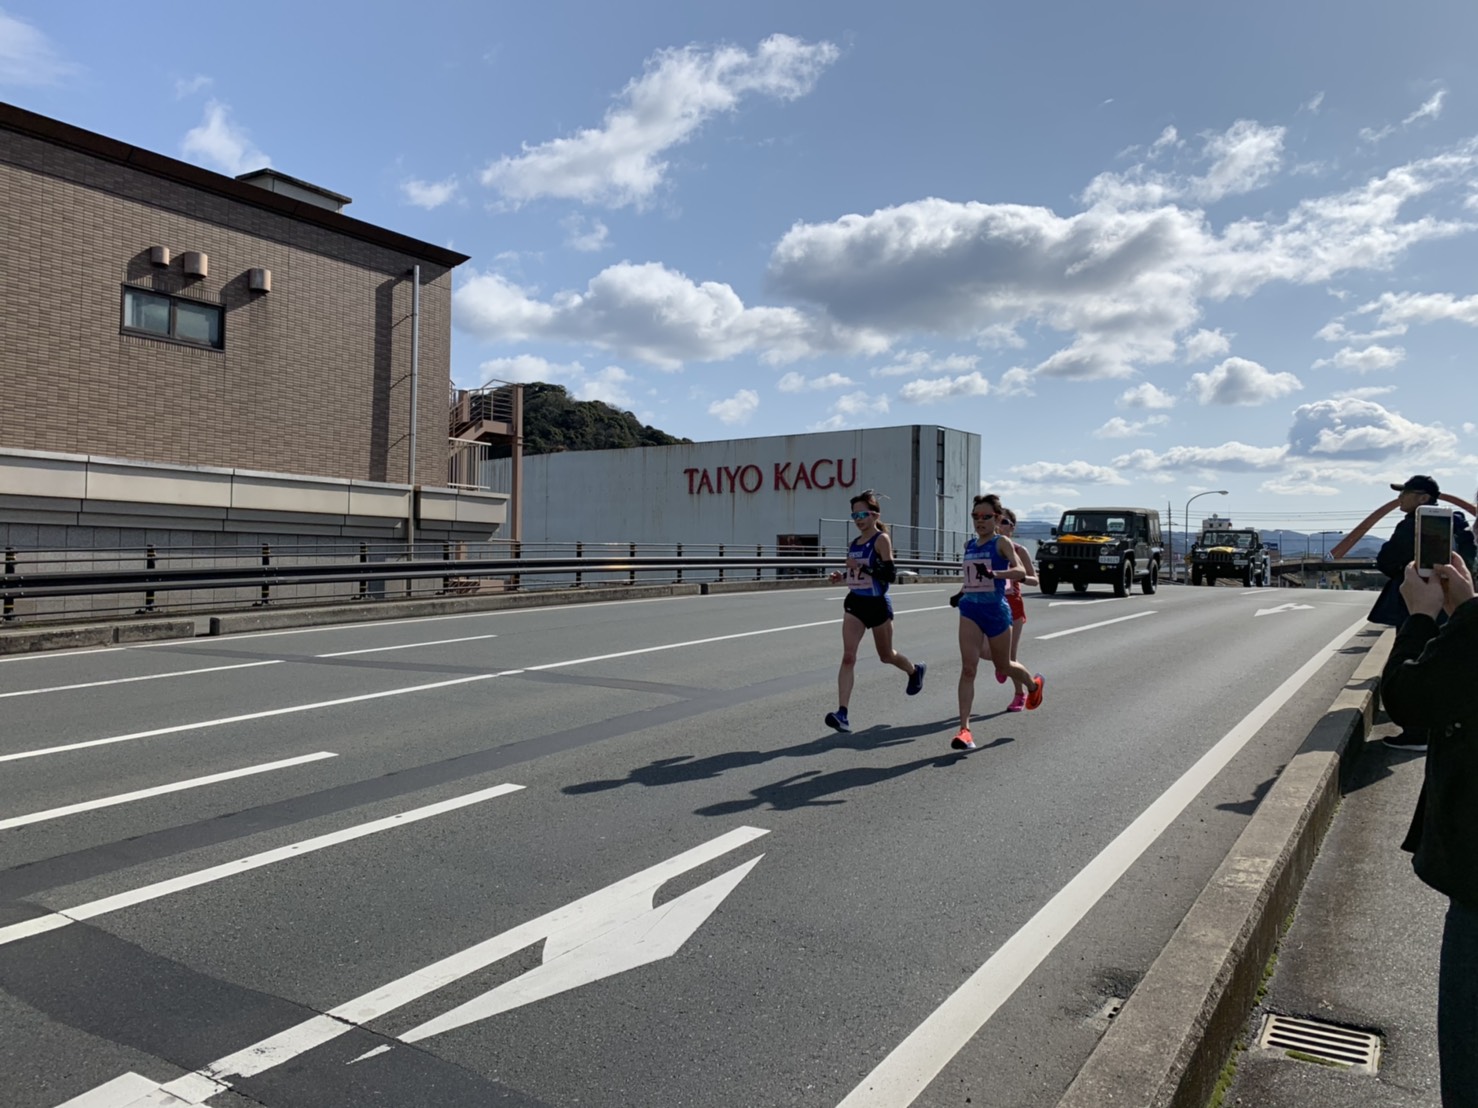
{"x":553,"y":422}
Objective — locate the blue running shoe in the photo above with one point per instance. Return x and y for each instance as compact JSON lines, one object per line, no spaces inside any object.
{"x":837,"y":720}
{"x":916,"y":679}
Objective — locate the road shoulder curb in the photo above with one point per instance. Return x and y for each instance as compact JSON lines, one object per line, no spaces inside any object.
{"x":1167,"y":1046}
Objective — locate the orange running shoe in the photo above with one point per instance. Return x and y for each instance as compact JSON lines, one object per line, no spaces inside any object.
{"x":963,"y":741}
{"x":1034,"y":698}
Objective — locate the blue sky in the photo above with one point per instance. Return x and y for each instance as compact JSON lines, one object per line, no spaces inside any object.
{"x":1145,"y":250}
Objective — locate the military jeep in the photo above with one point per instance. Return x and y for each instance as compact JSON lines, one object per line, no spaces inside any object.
{"x":1114,"y":546}
{"x":1231,"y":552}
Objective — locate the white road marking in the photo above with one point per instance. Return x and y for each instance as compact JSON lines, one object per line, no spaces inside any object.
{"x":203,"y":724}
{"x":571,"y":920}
{"x":906,"y":1072}
{"x":118,"y":1093}
{"x":1084,"y":603}
{"x":145,"y":677}
{"x":402,"y":646}
{"x":93,"y":908}
{"x":1091,"y":626}
{"x":159,"y":790}
{"x":1283,"y":608}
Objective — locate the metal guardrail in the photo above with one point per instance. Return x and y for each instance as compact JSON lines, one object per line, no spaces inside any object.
{"x":442,"y":576}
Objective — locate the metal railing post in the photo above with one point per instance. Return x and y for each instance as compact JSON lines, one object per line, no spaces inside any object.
{"x":9,"y":613}
{"x":446,"y":556}
{"x":759,"y":552}
{"x":631,"y":577}
{"x":150,"y":562}
{"x":364,"y":581}
{"x":579,"y":573}
{"x":515,"y":580}
{"x":679,"y":568}
{"x":721,"y":561}
{"x":266,"y":589}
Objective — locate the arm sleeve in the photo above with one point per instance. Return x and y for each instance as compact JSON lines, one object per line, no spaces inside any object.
{"x":1398,"y":550}
{"x":1428,"y":679}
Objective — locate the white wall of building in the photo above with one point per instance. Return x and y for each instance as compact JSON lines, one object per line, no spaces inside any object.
{"x":752,"y":491}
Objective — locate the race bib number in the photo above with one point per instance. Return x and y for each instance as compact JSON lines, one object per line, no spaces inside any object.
{"x":977,"y":576}
{"x":856,"y":579}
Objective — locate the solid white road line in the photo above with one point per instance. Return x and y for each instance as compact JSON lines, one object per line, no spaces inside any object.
{"x":64,"y":916}
{"x":906,"y":1072}
{"x":159,"y":790}
{"x":201,"y":725}
{"x":1085,"y":603}
{"x":403,"y":646}
{"x":145,"y":677}
{"x":1091,"y":626}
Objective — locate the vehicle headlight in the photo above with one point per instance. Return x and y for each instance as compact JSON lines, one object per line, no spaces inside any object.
{"x":1049,"y":548}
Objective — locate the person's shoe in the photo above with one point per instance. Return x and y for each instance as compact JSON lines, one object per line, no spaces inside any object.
{"x":1001,"y":676}
{"x":1034,"y":698}
{"x":916,"y":679}
{"x":838,"y":721}
{"x":963,"y":741}
{"x":1414,"y":744}
{"x":1018,"y":702}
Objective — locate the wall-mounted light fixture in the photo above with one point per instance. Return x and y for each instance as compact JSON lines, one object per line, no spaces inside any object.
{"x":195,"y":263}
{"x":159,"y":255}
{"x":259,"y":280}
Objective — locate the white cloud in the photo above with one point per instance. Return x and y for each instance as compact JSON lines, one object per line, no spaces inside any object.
{"x":222,"y":144}
{"x":621,"y":162}
{"x":1205,"y":345}
{"x":1232,"y":456}
{"x":1244,"y":382}
{"x":860,"y":403}
{"x":1369,"y":360}
{"x":1470,"y":428}
{"x":586,"y":237}
{"x":1015,"y":382}
{"x":1243,"y":159}
{"x":189,"y":86}
{"x":1430,"y":109}
{"x":1145,"y":395}
{"x":1368,"y":393}
{"x":796,"y":382}
{"x":1121,"y":428}
{"x":1313,"y":105}
{"x":1083,"y":473}
{"x":1168,"y":140}
{"x":737,"y":408}
{"x":1399,"y":309}
{"x":1362,"y":430}
{"x":1047,"y":509}
{"x":654,"y":314}
{"x":27,"y":56}
{"x":429,"y":194}
{"x":1295,"y":484}
{"x":913,"y":363}
{"x":609,"y":385}
{"x":930,"y":390}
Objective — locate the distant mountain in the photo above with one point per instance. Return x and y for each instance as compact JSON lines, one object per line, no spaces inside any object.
{"x":553,"y":422}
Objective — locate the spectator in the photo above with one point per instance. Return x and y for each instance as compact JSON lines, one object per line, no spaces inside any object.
{"x":1392,"y":560}
{"x":1431,"y":682}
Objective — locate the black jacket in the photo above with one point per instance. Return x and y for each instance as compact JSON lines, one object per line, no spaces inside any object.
{"x":1393,"y":558}
{"x":1431,"y":681}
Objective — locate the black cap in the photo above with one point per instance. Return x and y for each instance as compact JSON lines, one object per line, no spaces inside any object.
{"x":1420,"y":483}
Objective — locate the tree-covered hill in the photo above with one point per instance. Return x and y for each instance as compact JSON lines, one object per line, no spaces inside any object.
{"x":553,"y":422}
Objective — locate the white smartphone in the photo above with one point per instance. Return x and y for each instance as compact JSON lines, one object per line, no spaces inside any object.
{"x":1433,"y":538}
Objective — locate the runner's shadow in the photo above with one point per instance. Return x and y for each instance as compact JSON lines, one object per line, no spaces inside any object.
{"x":684,"y":767}
{"x":806,"y":790}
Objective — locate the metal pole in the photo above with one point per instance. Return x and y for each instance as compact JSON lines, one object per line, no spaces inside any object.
{"x":9,"y":609}
{"x":266,"y":589}
{"x":415,"y":366}
{"x":364,"y":557}
{"x":149,"y":563}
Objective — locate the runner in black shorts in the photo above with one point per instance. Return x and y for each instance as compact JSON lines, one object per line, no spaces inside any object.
{"x":867,"y":608}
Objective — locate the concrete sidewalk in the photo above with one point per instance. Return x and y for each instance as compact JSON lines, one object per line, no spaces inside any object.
{"x":1361,"y":953}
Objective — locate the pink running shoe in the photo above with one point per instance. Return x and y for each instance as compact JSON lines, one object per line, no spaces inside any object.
{"x":1018,"y":702}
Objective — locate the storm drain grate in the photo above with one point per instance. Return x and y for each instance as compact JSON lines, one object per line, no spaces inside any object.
{"x":1313,"y":1041}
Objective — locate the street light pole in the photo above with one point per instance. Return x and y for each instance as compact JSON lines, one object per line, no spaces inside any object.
{"x":1208,"y":492}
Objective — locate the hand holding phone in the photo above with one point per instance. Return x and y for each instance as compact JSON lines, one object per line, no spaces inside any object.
{"x":1433,"y":538}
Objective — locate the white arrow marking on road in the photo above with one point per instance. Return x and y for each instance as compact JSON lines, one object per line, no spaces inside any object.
{"x":622,"y":936}
{"x":1284,"y":608}
{"x":618,"y":914}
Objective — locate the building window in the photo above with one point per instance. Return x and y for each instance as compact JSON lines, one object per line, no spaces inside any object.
{"x":173,"y":317}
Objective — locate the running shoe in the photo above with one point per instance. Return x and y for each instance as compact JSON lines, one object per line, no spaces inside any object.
{"x":1034,"y":698}
{"x":1018,"y":702}
{"x":963,"y":741}
{"x":916,"y":679}
{"x":838,"y":720}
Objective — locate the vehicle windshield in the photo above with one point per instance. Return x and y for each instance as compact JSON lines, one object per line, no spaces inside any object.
{"x":1093,"y":523}
{"x":1240,"y":539}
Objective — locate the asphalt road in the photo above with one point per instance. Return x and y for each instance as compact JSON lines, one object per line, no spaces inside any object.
{"x":609,"y":855}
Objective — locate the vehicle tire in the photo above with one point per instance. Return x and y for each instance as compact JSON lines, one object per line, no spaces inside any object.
{"x":1247,"y":578}
{"x":1151,"y":579}
{"x":1080,"y":587}
{"x":1196,"y":576}
{"x":1125,"y":580}
{"x":1047,"y":584}
{"x":1211,"y":580}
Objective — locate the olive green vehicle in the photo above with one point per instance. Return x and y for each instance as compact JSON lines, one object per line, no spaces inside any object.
{"x":1236,"y":553}
{"x":1111,"y":546}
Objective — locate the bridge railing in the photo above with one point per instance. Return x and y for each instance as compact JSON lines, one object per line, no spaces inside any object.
{"x":49,"y":585}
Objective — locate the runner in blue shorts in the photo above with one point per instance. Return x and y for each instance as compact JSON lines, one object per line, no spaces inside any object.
{"x":985,"y":618}
{"x":867,"y":608}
